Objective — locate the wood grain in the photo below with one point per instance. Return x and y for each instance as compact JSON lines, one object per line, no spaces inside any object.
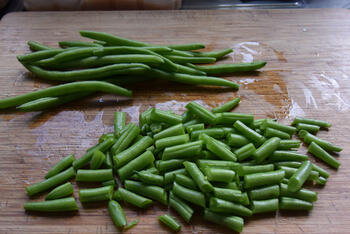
{"x":308,"y":55}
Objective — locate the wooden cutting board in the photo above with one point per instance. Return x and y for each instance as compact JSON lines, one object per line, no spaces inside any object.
{"x":308,"y":74}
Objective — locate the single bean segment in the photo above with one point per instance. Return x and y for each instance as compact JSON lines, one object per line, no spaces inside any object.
{"x":60,"y":166}
{"x":320,"y":153}
{"x":61,"y":191}
{"x":170,"y":222}
{"x":58,"y":205}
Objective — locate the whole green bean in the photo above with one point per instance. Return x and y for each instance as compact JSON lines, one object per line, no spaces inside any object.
{"x":219,"y":174}
{"x":117,"y":214}
{"x":97,"y":175}
{"x":50,"y":182}
{"x":136,"y":164}
{"x":60,"y":166}
{"x":266,"y":149}
{"x":168,"y":165}
{"x":212,"y":132}
{"x":288,"y":144}
{"x":186,"y":181}
{"x":171,"y":131}
{"x":245,"y":151}
{"x":263,"y":179}
{"x":64,"y":89}
{"x":245,"y":170}
{"x":265,"y":193}
{"x":36,"y":46}
{"x":134,"y":199}
{"x":170,"y":222}
{"x":288,"y":203}
{"x":186,"y":47}
{"x":189,"y":195}
{"x":232,"y":222}
{"x":184,"y":210}
{"x":216,"y":148}
{"x":119,"y":122}
{"x":104,"y":193}
{"x":150,"y":191}
{"x":227,"y":106}
{"x":202,"y":113}
{"x":132,"y":152}
{"x":271,"y":132}
{"x":61,"y":191}
{"x":77,"y":44}
{"x":104,"y":146}
{"x":299,"y":177}
{"x":264,"y":206}
{"x":287,"y":155}
{"x":230,"y":68}
{"x":125,"y":139}
{"x":186,"y":150}
{"x":35,"y":56}
{"x":198,"y":177}
{"x":222,"y":206}
{"x":236,"y":140}
{"x":322,"y":124}
{"x":188,"y":70}
{"x":308,"y":127}
{"x":184,"y":60}
{"x":58,"y":205}
{"x":309,"y":138}
{"x":98,"y":158}
{"x":249,"y":133}
{"x":267,"y":123}
{"x":320,"y":153}
{"x":303,"y":194}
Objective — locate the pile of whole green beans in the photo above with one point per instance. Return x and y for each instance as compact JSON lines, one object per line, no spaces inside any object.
{"x":109,"y":61}
{"x":228,"y":164}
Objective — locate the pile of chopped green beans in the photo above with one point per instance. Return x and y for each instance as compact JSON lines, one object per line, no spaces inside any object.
{"x":227,"y":164}
{"x":109,"y":61}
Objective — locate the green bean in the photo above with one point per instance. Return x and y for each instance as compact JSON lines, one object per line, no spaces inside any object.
{"x":227,"y":106}
{"x":236,"y":140}
{"x":184,"y":60}
{"x":299,"y":177}
{"x":194,"y":127}
{"x":170,"y":222}
{"x":309,"y":138}
{"x":130,"y":225}
{"x":98,"y":158}
{"x":265,"y":193}
{"x":266,"y":149}
{"x":203,"y":163}
{"x":230,"y":68}
{"x":35,"y":56}
{"x":286,"y":155}
{"x":85,"y":74}
{"x":290,"y":171}
{"x":264,"y":206}
{"x":228,"y":130}
{"x":198,"y":177}
{"x":271,"y":132}
{"x":322,"y":172}
{"x":169,"y":177}
{"x":219,"y":174}
{"x":50,"y":182}
{"x":60,"y":166}
{"x":119,"y":122}
{"x":133,"y":198}
{"x":77,"y":44}
{"x":96,"y":194}
{"x":212,"y":132}
{"x":208,"y":155}
{"x":94,"y":175}
{"x":322,"y":124}
{"x":117,"y":214}
{"x":232,"y":185}
{"x":109,"y":182}
{"x":249,"y":133}
{"x":189,"y":195}
{"x":232,"y":222}
{"x":132,"y":152}
{"x":321,"y":180}
{"x":184,"y":210}
{"x":228,"y":194}
{"x":168,"y":165}
{"x":215,"y":147}
{"x":288,"y":203}
{"x":104,"y":146}
{"x":191,"y":122}
{"x":303,"y":194}
{"x":320,"y":153}
{"x":185,"y":181}
{"x":171,"y":131}
{"x":103,"y":137}
{"x":273,"y":124}
{"x":263,"y":179}
{"x":245,"y":152}
{"x":308,"y":127}
{"x":149,"y":178}
{"x":222,"y":206}
{"x":188,"y":70}
{"x":150,"y":191}
{"x":191,"y":79}
{"x":202,"y":113}
{"x":245,"y":170}
{"x":230,"y":118}
{"x":288,"y":144}
{"x":58,"y":205}
{"x":187,"y":150}
{"x":36,"y":46}
{"x":61,"y":191}
{"x":186,"y":47}
{"x":125,"y":139}
{"x":166,"y":117}
{"x":136,"y":164}
{"x":64,"y":89}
